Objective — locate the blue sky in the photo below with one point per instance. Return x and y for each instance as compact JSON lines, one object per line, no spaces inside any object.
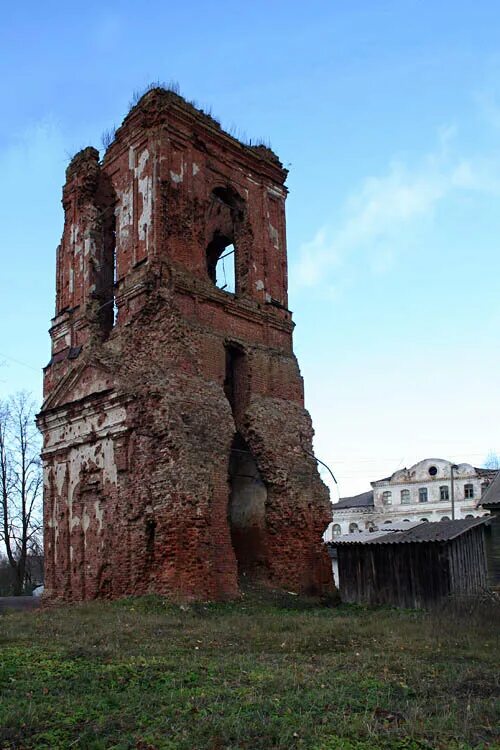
{"x":388,"y":116}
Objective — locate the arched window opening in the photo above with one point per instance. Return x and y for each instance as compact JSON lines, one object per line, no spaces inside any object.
{"x":225,"y":217}
{"x":370,"y":526}
{"x":445,"y":518}
{"x":386,"y":522}
{"x":353,"y":527}
{"x":247,"y":509}
{"x":221,"y":263}
{"x":336,"y":530}
{"x":424,"y":520}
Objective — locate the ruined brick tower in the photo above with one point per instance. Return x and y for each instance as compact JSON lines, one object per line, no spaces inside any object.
{"x":177,"y":450}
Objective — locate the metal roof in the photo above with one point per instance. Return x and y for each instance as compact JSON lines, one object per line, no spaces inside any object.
{"x":364,"y":500}
{"x":491,"y":497}
{"x":486,"y":473}
{"x":368,"y":536}
{"x":427,"y":531}
{"x":386,"y":526}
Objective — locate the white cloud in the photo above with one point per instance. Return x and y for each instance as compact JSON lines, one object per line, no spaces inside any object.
{"x":387,"y":211}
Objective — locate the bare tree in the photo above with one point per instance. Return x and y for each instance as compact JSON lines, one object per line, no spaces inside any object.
{"x":492,"y":461}
{"x":20,"y":484}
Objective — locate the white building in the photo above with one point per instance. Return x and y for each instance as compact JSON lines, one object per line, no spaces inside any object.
{"x":421,"y":493}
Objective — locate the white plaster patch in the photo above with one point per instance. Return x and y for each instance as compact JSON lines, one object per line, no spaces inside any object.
{"x":88,"y":246}
{"x":143,"y":160}
{"x":109,"y":465}
{"x":259,"y":285}
{"x":71,"y":284}
{"x":69,"y":432}
{"x":145,"y":186}
{"x":124,"y":211}
{"x":177,"y":177}
{"x":85,"y":521}
{"x":74,"y":522}
{"x":79,"y":457}
{"x":273,"y":234}
{"x":60,"y":477}
{"x":46,"y":477}
{"x":131,"y":158}
{"x":98,"y":514}
{"x":100,"y":455}
{"x":276,"y":192}
{"x":77,"y":248}
{"x":196,"y":169}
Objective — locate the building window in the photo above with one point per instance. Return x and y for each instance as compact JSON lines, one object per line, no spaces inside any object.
{"x":433,"y":471}
{"x":405,"y":497}
{"x":468,"y":491}
{"x":445,"y":518}
{"x":422,"y":495}
{"x":387,"y":521}
{"x":370,"y":526}
{"x":424,"y":520}
{"x":444,"y":492}
{"x":336,"y":530}
{"x":387,"y":497}
{"x":353,"y":527}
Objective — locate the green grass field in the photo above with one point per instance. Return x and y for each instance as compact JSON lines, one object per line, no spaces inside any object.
{"x":269,"y":671}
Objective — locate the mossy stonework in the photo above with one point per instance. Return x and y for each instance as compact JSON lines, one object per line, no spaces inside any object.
{"x":177,"y":450}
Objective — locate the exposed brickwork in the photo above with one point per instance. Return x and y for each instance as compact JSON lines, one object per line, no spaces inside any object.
{"x":176,"y":444}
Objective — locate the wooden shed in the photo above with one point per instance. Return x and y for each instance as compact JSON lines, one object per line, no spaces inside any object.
{"x":415,"y":567}
{"x":491,"y":501}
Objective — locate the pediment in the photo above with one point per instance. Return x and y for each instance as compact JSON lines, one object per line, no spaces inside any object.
{"x":84,"y":380}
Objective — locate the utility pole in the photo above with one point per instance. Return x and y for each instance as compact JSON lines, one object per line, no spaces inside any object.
{"x":453,"y":467}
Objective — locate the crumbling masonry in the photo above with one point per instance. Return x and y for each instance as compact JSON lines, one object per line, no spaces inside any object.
{"x":177,"y":450}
